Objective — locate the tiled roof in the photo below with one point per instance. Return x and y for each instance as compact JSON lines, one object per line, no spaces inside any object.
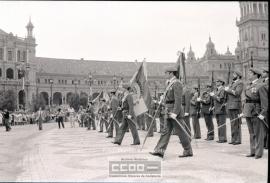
{"x":83,"y":67}
{"x":2,"y":32}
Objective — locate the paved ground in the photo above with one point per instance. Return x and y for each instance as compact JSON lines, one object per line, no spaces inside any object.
{"x":75,"y":154}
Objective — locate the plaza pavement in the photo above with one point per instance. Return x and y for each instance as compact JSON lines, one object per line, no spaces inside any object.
{"x":75,"y":154}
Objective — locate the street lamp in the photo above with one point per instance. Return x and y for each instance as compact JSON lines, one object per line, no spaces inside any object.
{"x":51,"y":98}
{"x":90,"y":77}
{"x":75,"y":82}
{"x":114,"y":80}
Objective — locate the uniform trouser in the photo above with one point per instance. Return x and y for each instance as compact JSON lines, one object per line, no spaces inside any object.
{"x":60,"y":121}
{"x":165,"y":136}
{"x":196,"y":126}
{"x":256,"y":134}
{"x":40,"y":124}
{"x":221,"y":121}
{"x":7,"y":124}
{"x":187,"y":124}
{"x":110,"y":128}
{"x":209,"y":125}
{"x":117,"y":122}
{"x":102,"y":121}
{"x":149,"y":120}
{"x":91,"y":122}
{"x":266,"y":138}
{"x":126,"y":123}
{"x":235,"y":126}
{"x":162,"y":123}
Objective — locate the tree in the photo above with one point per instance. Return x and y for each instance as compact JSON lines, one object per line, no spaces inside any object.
{"x":38,"y":101}
{"x":75,"y":101}
{"x":8,"y":100}
{"x":83,"y":100}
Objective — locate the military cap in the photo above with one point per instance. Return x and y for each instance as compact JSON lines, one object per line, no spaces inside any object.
{"x":195,"y":86}
{"x":220,"y":79}
{"x":103,"y":99}
{"x":209,"y":84}
{"x":113,"y":91}
{"x":266,"y":69}
{"x":256,"y":71}
{"x":238,"y":73}
{"x":126,"y":85}
{"x":171,"y":69}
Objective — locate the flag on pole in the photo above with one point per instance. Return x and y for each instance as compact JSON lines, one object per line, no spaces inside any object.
{"x":181,"y":61}
{"x":142,"y":97}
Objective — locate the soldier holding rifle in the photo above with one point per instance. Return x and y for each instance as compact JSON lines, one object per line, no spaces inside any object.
{"x":175,"y":119}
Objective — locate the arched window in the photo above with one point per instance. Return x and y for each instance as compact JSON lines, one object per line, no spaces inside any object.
{"x":10,"y":73}
{"x":220,"y":66}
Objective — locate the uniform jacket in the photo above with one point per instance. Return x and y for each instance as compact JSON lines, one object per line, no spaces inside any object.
{"x":257,"y":93}
{"x":128,"y":105}
{"x":206,"y":102}
{"x":174,"y":94}
{"x":234,"y":95}
{"x":194,"y":104}
{"x":104,"y":111}
{"x":90,"y":111}
{"x":186,"y":97}
{"x":114,"y":105}
{"x":219,"y":101}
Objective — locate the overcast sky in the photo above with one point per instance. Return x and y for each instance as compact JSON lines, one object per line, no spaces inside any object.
{"x":123,"y":31}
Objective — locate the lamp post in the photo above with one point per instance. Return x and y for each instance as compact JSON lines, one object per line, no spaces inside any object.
{"x":75,"y":83}
{"x":51,"y":97}
{"x":114,"y":80}
{"x":156,"y":91}
{"x":90,"y":77}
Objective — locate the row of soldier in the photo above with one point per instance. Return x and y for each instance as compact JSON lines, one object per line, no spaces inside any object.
{"x":180,"y":103}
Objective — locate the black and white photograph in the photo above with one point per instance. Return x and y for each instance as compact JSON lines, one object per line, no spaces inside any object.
{"x":134,"y":91}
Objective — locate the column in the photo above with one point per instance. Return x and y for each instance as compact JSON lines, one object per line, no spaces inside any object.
{"x":27,"y":55}
{"x":16,"y":59}
{"x":5,"y":53}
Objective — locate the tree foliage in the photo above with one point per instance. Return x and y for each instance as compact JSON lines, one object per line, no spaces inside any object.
{"x":8,"y":100}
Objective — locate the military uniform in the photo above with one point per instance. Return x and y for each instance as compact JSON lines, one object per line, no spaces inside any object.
{"x":104,"y":117}
{"x":162,"y":119}
{"x":173,"y":97}
{"x":194,"y":114}
{"x":206,"y":102}
{"x":186,"y":97}
{"x":128,"y":111}
{"x":149,"y":119}
{"x":256,"y":97}
{"x":220,"y":112}
{"x":90,"y":116}
{"x":233,"y":105}
{"x":113,"y":106}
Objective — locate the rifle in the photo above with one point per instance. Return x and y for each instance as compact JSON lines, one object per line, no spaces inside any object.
{"x":199,"y":94}
{"x":184,"y":67}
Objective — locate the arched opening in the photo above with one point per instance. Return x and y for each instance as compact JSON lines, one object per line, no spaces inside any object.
{"x":21,"y":98}
{"x":45,"y":96}
{"x":0,"y":72}
{"x":69,"y":97}
{"x":10,"y":73}
{"x":57,"y":98}
{"x":83,"y":99}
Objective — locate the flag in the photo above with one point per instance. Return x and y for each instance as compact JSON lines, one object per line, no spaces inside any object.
{"x":181,"y":61}
{"x":142,"y":97}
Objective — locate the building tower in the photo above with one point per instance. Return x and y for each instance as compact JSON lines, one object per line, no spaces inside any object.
{"x":30,"y":28}
{"x":253,"y":34}
{"x":210,"y":49}
{"x":191,"y":55}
